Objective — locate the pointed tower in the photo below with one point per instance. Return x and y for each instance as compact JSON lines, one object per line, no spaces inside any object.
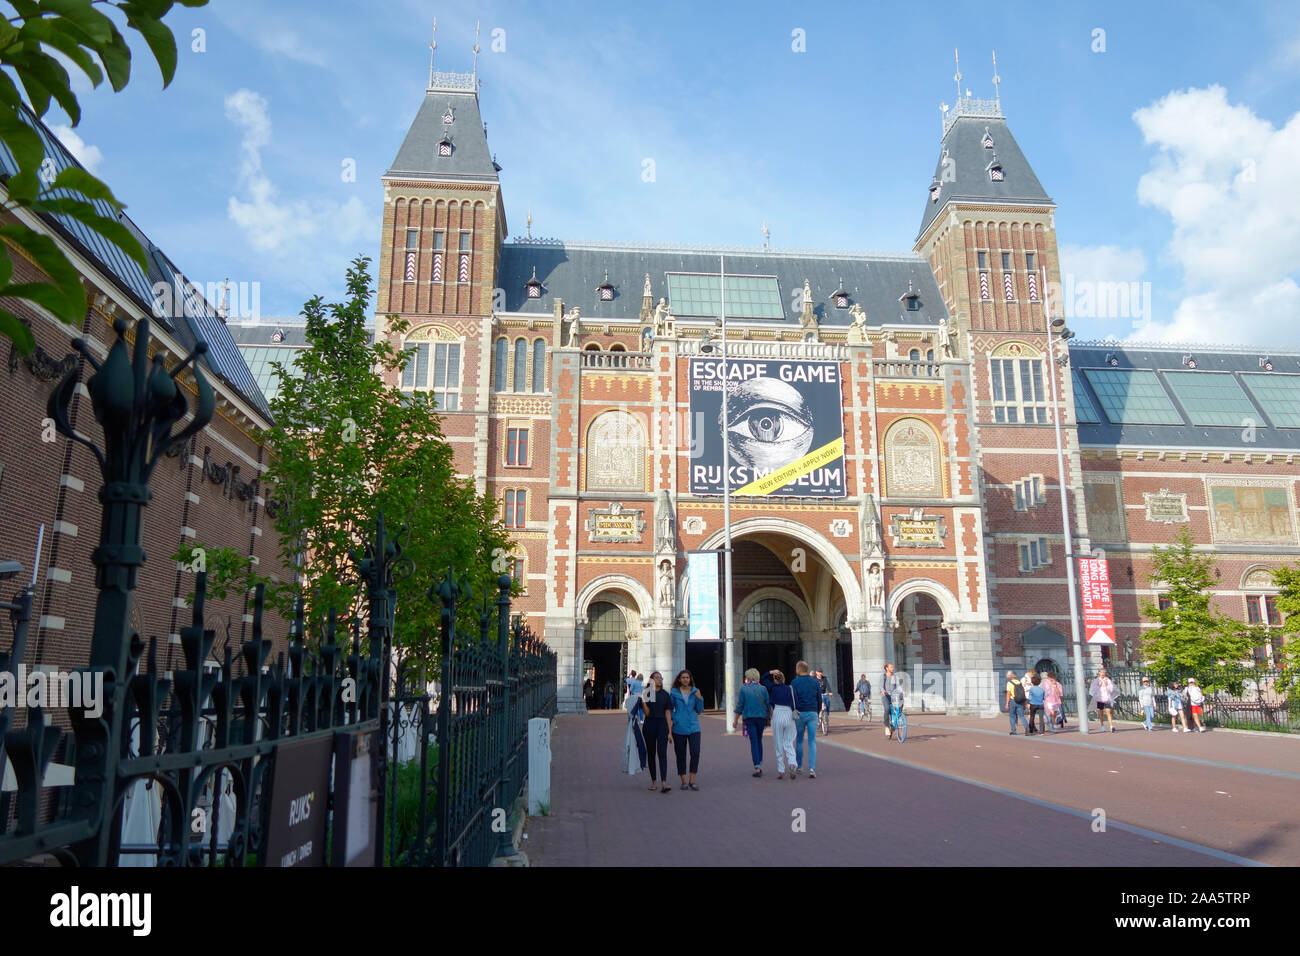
{"x":988,"y":231}
{"x":439,"y":254}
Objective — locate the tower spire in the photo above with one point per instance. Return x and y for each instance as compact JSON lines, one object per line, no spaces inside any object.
{"x":433,"y":48}
{"x":997,"y":90}
{"x":767,"y":236}
{"x":475,"y":71}
{"x":957,"y":76}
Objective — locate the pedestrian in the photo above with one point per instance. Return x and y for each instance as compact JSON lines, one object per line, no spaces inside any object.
{"x":634,"y":753}
{"x":864,"y":693}
{"x":609,"y":695}
{"x":589,"y":693}
{"x":635,"y":683}
{"x":1103,"y":693}
{"x":783,"y":730}
{"x":891,"y":691}
{"x":1016,"y":701}
{"x":1037,"y":694}
{"x":1175,"y":699}
{"x":1052,"y":699}
{"x":753,"y":708}
{"x":807,"y":702}
{"x":688,"y":704}
{"x":825,"y":687}
{"x":1147,"y":699}
{"x":1196,"y":698}
{"x":657,"y":706}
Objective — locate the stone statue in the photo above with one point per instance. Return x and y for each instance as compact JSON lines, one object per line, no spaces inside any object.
{"x":875,"y":587}
{"x":647,"y":291}
{"x":871,"y":539}
{"x":858,"y":329}
{"x":661,"y":315}
{"x":807,"y":318}
{"x":666,"y":585}
{"x":575,"y":327}
{"x":647,"y":339}
{"x":665,"y":538}
{"x":947,"y":339}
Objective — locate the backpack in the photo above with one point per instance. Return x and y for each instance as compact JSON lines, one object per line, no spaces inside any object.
{"x":1018,"y":692}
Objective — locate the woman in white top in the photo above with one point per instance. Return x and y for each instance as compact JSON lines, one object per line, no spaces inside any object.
{"x":1103,"y":693}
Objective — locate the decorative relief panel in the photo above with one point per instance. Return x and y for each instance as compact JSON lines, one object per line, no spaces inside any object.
{"x":615,"y":453}
{"x":912,"y":463}
{"x":694,"y":525}
{"x":518,"y":405}
{"x":841,"y":528}
{"x":615,"y":524}
{"x":1165,"y":508}
{"x":1251,"y":510}
{"x":1258,"y":579}
{"x":1104,"y":500}
{"x":917,"y":530}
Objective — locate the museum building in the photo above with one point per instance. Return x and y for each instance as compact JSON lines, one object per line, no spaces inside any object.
{"x":915,"y":398}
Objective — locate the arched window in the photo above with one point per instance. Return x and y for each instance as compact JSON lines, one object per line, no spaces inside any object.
{"x":539,"y":365}
{"x":772,"y":620}
{"x":616,"y":453}
{"x":434,"y":365}
{"x":1019,"y":394}
{"x":914,"y":355}
{"x":499,"y":376}
{"x":912,"y":461}
{"x":606,"y":623}
{"x":521,"y":365}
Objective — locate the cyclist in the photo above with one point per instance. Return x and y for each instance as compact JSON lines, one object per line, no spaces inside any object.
{"x":892,"y":689}
{"x":825,"y":686}
{"x":864,"y":694}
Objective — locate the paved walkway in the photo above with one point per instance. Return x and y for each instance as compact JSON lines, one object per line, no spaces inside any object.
{"x":959,"y":791}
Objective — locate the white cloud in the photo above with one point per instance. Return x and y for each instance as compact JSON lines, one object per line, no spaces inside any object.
{"x":294,"y":229}
{"x":1227,"y":179}
{"x":1102,"y":263}
{"x":86,"y":154}
{"x":271,"y":34}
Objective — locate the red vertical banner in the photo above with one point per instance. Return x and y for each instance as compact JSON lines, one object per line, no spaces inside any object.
{"x":1098,"y":617}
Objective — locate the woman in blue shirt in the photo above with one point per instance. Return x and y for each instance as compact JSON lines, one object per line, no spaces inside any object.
{"x":753,"y":707}
{"x":1037,"y":695}
{"x":657,"y":707}
{"x":688,"y":704}
{"x":782,"y":700}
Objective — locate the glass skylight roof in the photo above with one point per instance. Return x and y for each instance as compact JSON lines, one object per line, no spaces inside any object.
{"x":1212,"y":398}
{"x":1083,"y":410}
{"x":259,"y":359}
{"x":1278,"y":395}
{"x":748,"y":297}
{"x":1132,"y":396}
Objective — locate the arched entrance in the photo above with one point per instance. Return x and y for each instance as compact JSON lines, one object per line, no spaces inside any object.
{"x":604,"y":656}
{"x":809,"y":578}
{"x":919,"y":642}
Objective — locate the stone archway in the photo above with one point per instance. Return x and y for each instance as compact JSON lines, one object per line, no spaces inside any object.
{"x":633,"y":601}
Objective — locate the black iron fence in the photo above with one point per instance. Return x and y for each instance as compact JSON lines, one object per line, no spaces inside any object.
{"x":240,"y":762}
{"x":1250,"y":698}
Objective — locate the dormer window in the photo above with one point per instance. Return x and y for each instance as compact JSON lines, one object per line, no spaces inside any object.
{"x":995,"y":170}
{"x":911,"y":299}
{"x":447,"y":117}
{"x":840,"y":297}
{"x":606,"y":289}
{"x":444,"y":145}
{"x":533,"y":286}
{"x":935,"y":188}
{"x":987,"y":142}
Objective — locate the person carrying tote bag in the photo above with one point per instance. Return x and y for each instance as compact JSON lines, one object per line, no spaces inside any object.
{"x":633,"y":742}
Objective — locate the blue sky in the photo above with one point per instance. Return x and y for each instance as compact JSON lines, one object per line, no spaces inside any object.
{"x":1173,"y":154}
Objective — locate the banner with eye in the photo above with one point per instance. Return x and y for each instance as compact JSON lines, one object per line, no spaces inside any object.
{"x":785,"y":428}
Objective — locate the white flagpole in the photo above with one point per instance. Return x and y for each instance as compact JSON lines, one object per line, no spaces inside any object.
{"x":728,"y":680}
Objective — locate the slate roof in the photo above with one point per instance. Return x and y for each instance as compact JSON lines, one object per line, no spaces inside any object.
{"x":572,"y":270}
{"x":470,"y":159}
{"x":197,"y":321}
{"x":967,"y":178}
{"x":1169,"y":358}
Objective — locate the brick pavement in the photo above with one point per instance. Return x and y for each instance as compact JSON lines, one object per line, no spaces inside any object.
{"x":874,"y":803}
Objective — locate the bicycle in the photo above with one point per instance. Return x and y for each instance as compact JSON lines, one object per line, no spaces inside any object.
{"x":864,"y":709}
{"x":824,"y":719}
{"x":898,"y":719}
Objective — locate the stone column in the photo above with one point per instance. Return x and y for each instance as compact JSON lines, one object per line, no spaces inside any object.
{"x":565,"y":636}
{"x":871,"y":649}
{"x":975,"y":685}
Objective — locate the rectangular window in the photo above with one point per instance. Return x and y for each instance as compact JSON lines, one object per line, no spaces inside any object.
{"x":1006,"y":262}
{"x":1018,"y":393}
{"x":1025,"y":564}
{"x":1165,"y":603}
{"x":464,"y":241}
{"x":516,"y":509}
{"x":517,"y":572}
{"x":1270,"y":610}
{"x":1252,"y":609}
{"x":1038,"y":495}
{"x":982,"y":258}
{"x":1044,"y":555}
{"x":1029,"y":261}
{"x":437,"y":240}
{"x":444,"y":360}
{"x":1020,"y":497}
{"x":412,"y":238}
{"x":517,"y":447}
{"x":947,"y":651}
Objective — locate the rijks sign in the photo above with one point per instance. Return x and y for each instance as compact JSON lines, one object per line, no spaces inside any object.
{"x":1098,"y":620}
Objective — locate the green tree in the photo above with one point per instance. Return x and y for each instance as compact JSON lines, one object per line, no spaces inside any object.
{"x":30,"y":33}
{"x":1192,"y":635}
{"x":346,"y":446}
{"x":1287,"y":579}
